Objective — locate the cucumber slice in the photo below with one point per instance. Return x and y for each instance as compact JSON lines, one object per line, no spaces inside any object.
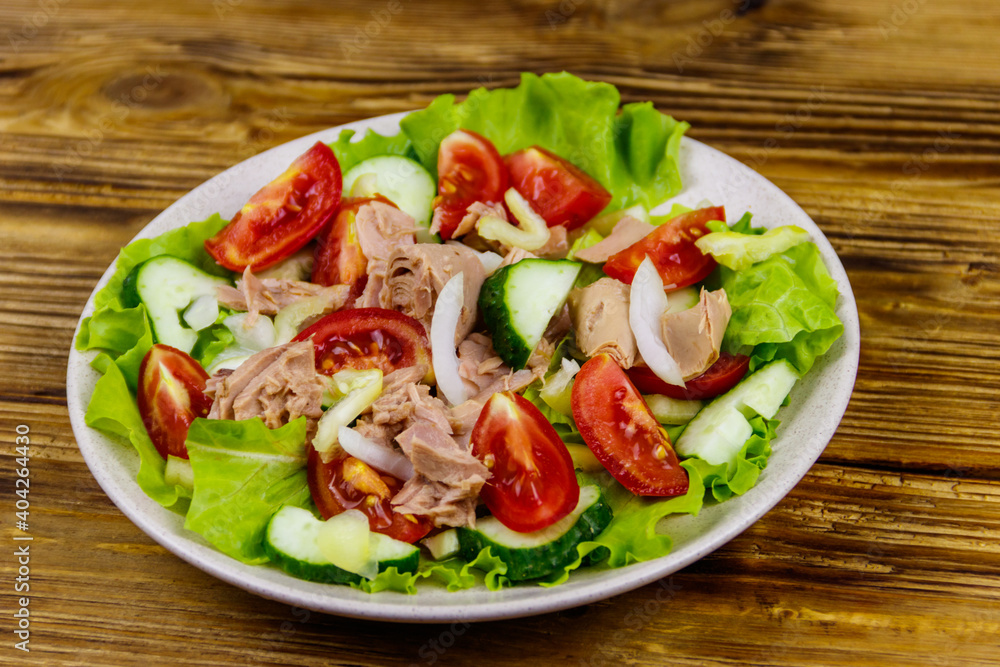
{"x":719,"y":431}
{"x":518,"y":301}
{"x":672,"y":410}
{"x":180,"y":472}
{"x":537,"y":554}
{"x":682,"y":299}
{"x":291,"y":542}
{"x":443,"y":545}
{"x":402,"y":181}
{"x":167,"y":286}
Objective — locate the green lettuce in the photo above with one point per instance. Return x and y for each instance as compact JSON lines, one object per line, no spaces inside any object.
{"x":783,"y":307}
{"x":112,"y":409}
{"x":632,"y":151}
{"x":243,"y":473}
{"x":739,"y":251}
{"x":350,"y":152}
{"x":123,"y":333}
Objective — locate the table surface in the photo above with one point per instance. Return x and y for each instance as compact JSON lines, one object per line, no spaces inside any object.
{"x":881,"y":118}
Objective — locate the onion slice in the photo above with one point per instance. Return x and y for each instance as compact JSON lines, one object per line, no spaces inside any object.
{"x":444,"y":324}
{"x":647,"y":303}
{"x":375,"y":455}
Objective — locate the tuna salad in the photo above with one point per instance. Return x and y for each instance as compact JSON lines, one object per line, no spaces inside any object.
{"x":467,"y":354}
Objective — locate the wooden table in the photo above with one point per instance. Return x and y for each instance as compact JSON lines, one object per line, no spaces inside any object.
{"x":882,"y":119}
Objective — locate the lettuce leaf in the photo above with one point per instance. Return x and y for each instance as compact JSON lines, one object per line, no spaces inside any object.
{"x":634,"y":153}
{"x":783,"y":307}
{"x":124,"y":333}
{"x":243,"y":473}
{"x":112,"y":409}
{"x":350,"y":152}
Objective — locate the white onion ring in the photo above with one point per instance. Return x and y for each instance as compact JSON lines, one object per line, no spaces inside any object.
{"x":444,"y":323}
{"x":375,"y":455}
{"x":647,"y":303}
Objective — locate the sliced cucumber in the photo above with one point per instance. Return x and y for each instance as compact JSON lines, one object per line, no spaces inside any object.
{"x":179,"y":472}
{"x":291,"y":542}
{"x":672,"y":410}
{"x":583,"y":458}
{"x":167,"y":286}
{"x":443,"y":545}
{"x":401,"y":180}
{"x":518,"y":301}
{"x":537,"y":554}
{"x":682,"y":299}
{"x":719,"y":431}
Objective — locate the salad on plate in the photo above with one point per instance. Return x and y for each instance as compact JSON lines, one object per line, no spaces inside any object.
{"x":468,"y":354}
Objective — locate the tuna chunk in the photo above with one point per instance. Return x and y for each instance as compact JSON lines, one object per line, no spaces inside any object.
{"x":628,"y":231}
{"x":381,"y":230}
{"x":447,"y":479}
{"x":694,"y":336}
{"x":557,"y":246}
{"x":278,"y":384}
{"x":417,"y":274}
{"x":475,"y":211}
{"x":269,"y":295}
{"x":600,"y":316}
{"x":515,"y":255}
{"x":484,"y":372}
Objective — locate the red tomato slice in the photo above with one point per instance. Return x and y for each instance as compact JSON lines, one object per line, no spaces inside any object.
{"x":469,"y":170}
{"x":671,"y":247}
{"x":533,"y":483}
{"x":363,"y":338}
{"x":720,"y":377}
{"x":283,"y":216}
{"x":559,"y":191}
{"x":624,"y":435}
{"x":348,"y":483}
{"x":338,"y":259}
{"x":171,"y":395}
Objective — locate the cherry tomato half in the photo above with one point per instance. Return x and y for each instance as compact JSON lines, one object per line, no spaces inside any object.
{"x":363,"y":338}
{"x":533,"y":483}
{"x":348,"y":483}
{"x":623,"y":434}
{"x":338,"y":259}
{"x":171,"y":395}
{"x":672,"y":249}
{"x":469,"y":170}
{"x":723,"y":375}
{"x":559,"y":191}
{"x":283,"y":216}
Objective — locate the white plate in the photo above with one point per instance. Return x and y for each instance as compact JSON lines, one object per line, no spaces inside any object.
{"x":818,"y":403}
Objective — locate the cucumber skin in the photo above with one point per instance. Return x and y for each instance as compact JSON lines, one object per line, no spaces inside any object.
{"x":328,"y":573}
{"x":130,"y":287}
{"x":523,"y":564}
{"x":506,"y":341}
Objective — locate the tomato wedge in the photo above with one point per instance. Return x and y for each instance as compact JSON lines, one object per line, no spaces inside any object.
{"x":723,"y":375}
{"x":558,"y":190}
{"x":671,"y":248}
{"x":533,"y":483}
{"x":171,"y":395}
{"x":363,"y":338}
{"x":338,"y":259}
{"x":623,"y":434}
{"x":348,"y":483}
{"x":469,"y":170}
{"x":283,"y":216}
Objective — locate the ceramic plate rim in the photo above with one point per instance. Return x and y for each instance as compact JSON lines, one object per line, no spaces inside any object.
{"x":835,"y":374}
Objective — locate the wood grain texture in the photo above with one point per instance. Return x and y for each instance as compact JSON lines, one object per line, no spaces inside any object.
{"x":881,"y":119}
